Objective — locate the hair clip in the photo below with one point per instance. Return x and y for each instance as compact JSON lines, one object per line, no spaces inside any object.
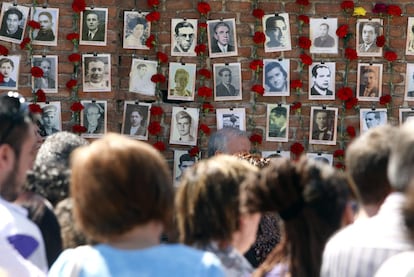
{"x":93,"y":101}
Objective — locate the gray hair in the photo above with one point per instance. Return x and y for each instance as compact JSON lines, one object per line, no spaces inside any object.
{"x":218,"y":141}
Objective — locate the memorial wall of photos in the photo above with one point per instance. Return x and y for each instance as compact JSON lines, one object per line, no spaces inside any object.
{"x":297,"y":77}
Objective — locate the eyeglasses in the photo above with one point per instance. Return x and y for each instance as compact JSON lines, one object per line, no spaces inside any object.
{"x":13,"y":109}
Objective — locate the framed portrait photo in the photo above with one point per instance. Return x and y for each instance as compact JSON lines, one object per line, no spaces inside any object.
{"x":136,"y":30}
{"x":9,"y":68}
{"x":321,"y":157}
{"x":409,"y":48}
{"x":48,"y":19}
{"x":233,"y":117}
{"x":50,"y":118}
{"x":369,"y":82}
{"x":222,"y":39}
{"x":276,"y":76}
{"x":136,"y":119}
{"x":227,"y":81}
{"x":277,"y":31}
{"x":183,"y":37}
{"x":370,"y":118}
{"x":96,"y":72}
{"x":94,"y":118}
{"x":140,"y":76}
{"x":93,"y":26}
{"x":323,"y":125}
{"x":13,"y":22}
{"x":184,"y":126}
{"x":366,"y":37}
{"x":48,"y":82}
{"x":181,"y":81}
{"x":322,"y":33}
{"x":277,"y":122}
{"x":276,"y":154}
{"x":322,"y":81}
{"x":182,"y":161}
{"x":409,"y":82}
{"x":406,"y":114}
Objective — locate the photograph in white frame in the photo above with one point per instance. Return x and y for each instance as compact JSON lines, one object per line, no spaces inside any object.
{"x":184,"y":126}
{"x":406,"y":114}
{"x":369,"y":82}
{"x":48,"y":19}
{"x":276,"y":76}
{"x":96,"y":72}
{"x":370,"y":118}
{"x":322,"y":32}
{"x":48,"y":82}
{"x":227,"y":81}
{"x":182,"y":161}
{"x":15,"y":32}
{"x":409,"y":82}
{"x":181,"y":81}
{"x":94,"y":118}
{"x":232,"y":117}
{"x":183,"y":37}
{"x":222,"y":37}
{"x":137,"y":29}
{"x":276,"y":154}
{"x":368,"y":30}
{"x":140,"y":76}
{"x":51,"y":119}
{"x":135,"y":120}
{"x":323,"y":125}
{"x":409,"y":48}
{"x":277,"y":31}
{"x":93,"y":26}
{"x":322,"y":81}
{"x":9,"y":67}
{"x":321,"y":157}
{"x":277,"y":122}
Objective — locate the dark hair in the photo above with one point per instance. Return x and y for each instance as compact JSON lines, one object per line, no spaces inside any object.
{"x":376,"y":114}
{"x":220,"y":139}
{"x":279,"y":111}
{"x":187,"y":158}
{"x":319,"y":66}
{"x":48,"y":14}
{"x":270,"y":66}
{"x":6,"y":60}
{"x":182,"y":24}
{"x":221,"y":23}
{"x":325,"y":24}
{"x":271,"y":22}
{"x":137,"y":21}
{"x":374,"y":25}
{"x":220,"y":73}
{"x":13,"y":11}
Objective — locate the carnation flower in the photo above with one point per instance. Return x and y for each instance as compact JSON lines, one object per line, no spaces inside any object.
{"x":200,"y":49}
{"x":35,"y":108}
{"x":78,"y":129}
{"x":385,"y":99}
{"x":205,"y":129}
{"x":153,"y":16}
{"x":256,"y":65}
{"x":25,"y":43}
{"x":351,"y":131}
{"x":40,"y":96}
{"x":36,"y":72}
{"x":158,"y":78}
{"x":154,"y":128}
{"x":162,"y":57}
{"x":205,"y":73}
{"x":71,"y":83}
{"x":302,"y":2}
{"x":156,"y":110}
{"x":259,"y":89}
{"x":256,"y":139}
{"x":305,"y":42}
{"x":296,"y":106}
{"x":194,"y":151}
{"x":339,"y":153}
{"x":3,"y":50}
{"x":207,"y":107}
{"x":258,"y":13}
{"x":203,"y":8}
{"x":351,"y":54}
{"x":202,"y":25}
{"x":380,"y":41}
{"x":379,"y":8}
{"x":150,"y":42}
{"x":394,"y":10}
{"x":351,"y":102}
{"x":160,"y":146}
{"x":297,"y":148}
{"x":359,"y":11}
{"x":296,"y":84}
{"x":259,"y":37}
{"x":74,"y":58}
{"x":153,"y":3}
{"x":306,"y":59}
{"x":344,"y":93}
{"x":390,"y":56}
{"x":303,"y":19}
{"x":33,"y":24}
{"x":342,"y":31}
{"x":205,"y":91}
{"x":76,"y":107}
{"x":347,"y":5}
{"x":78,"y":6}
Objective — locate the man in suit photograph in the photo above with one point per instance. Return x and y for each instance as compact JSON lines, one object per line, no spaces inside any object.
{"x":322,"y":129}
{"x":95,"y":78}
{"x":225,"y":88}
{"x":222,"y":35}
{"x":324,"y":39}
{"x":94,"y":118}
{"x":278,"y":122}
{"x":369,"y":83}
{"x":45,"y":33}
{"x":136,"y":126}
{"x":184,"y":126}
{"x":46,"y":81}
{"x":49,"y":119}
{"x":275,"y":30}
{"x":184,"y":37}
{"x":93,"y":29}
{"x":321,"y":77}
{"x":369,"y":34}
{"x":11,"y":25}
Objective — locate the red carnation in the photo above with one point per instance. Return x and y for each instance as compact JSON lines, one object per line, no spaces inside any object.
{"x":3,"y":50}
{"x":256,"y":65}
{"x":200,"y":49}
{"x":302,"y":2}
{"x":305,"y":42}
{"x":78,"y":129}
{"x":162,"y":57}
{"x":78,"y":6}
{"x":390,"y":56}
{"x":153,"y":3}
{"x":340,"y":166}
{"x":150,"y":42}
{"x":36,"y":71}
{"x":203,"y":7}
{"x":205,"y":73}
{"x":76,"y":107}
{"x":296,"y":84}
{"x":202,"y":25}
{"x":71,"y":83}
{"x":351,"y":102}
{"x":339,"y":153}
{"x":297,"y":148}
{"x":1,"y":78}
{"x":342,"y":31}
{"x":380,"y":42}
{"x":156,"y":110}
{"x":256,"y":139}
{"x":351,"y":54}
{"x":385,"y":99}
{"x":72,"y":36}
{"x":351,"y":131}
{"x":394,"y":10}
{"x":40,"y":96}
{"x":347,"y":5}
{"x":154,"y":128}
{"x":33,"y":24}
{"x":344,"y":93}
{"x":258,"y":13}
{"x":204,"y":91}
{"x":205,"y":129}
{"x":296,"y":106}
{"x":158,"y":78}
{"x":207,"y":107}
{"x":259,"y":37}
{"x":306,"y":59}
{"x":160,"y":146}
{"x":259,"y":89}
{"x":304,"y":19}
{"x":153,"y":16}
{"x":35,"y":108}
{"x":25,"y":42}
{"x":75,"y":58}
{"x":194,"y":151}
{"x":379,"y":8}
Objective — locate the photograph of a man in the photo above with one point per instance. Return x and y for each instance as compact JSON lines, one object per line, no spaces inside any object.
{"x":13,"y":20}
{"x":222,"y":37}
{"x":136,"y":30}
{"x":8,"y":70}
{"x":371,"y":118}
{"x":322,"y":81}
{"x":181,"y":82}
{"x":184,"y":37}
{"x":277,"y":32}
{"x":94,"y":118}
{"x":48,"y":65}
{"x":47,"y":34}
{"x":49,"y":119}
{"x":277,"y":122}
{"x":136,"y":119}
{"x":184,"y":126}
{"x":323,"y":125}
{"x":140,"y":76}
{"x":225,"y":88}
{"x":409,"y":82}
{"x":324,"y":39}
{"x":231,"y":117}
{"x":227,"y":81}
{"x":406,"y":114}
{"x":96,"y":72}
{"x":183,"y":161}
{"x":93,"y":26}
{"x":369,"y":30}
{"x":369,"y":79}
{"x":275,"y":77}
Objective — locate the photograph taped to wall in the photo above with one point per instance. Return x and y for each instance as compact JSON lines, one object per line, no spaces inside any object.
{"x":93,"y":26}
{"x":322,"y":32}
{"x":96,"y":71}
{"x":409,"y":48}
{"x":13,"y":20}
{"x":51,"y":118}
{"x":140,"y":76}
{"x":137,"y":29}
{"x":323,"y":125}
{"x":277,"y":31}
{"x":227,"y":81}
{"x":135,"y":120}
{"x":48,"y":19}
{"x":182,"y":161}
{"x":183,"y":37}
{"x":181,"y":81}
{"x":406,"y":114}
{"x":321,"y":157}
{"x":232,"y":117}
{"x":222,"y":38}
{"x":369,"y":82}
{"x":9,"y":68}
{"x":370,"y":118}
{"x":409,"y":82}
{"x":48,"y":64}
{"x":276,"y":154}
{"x":184,"y":126}
{"x":368,"y":30}
{"x":276,"y":76}
{"x":277,"y":123}
{"x":94,"y":118}
{"x":322,"y":81}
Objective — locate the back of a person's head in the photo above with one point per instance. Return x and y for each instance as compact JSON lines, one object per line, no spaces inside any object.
{"x":367,"y":161}
{"x":117,"y":184}
{"x":220,"y":139}
{"x":207,"y":200}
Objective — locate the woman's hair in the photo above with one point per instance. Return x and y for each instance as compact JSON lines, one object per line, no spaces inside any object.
{"x":207,"y":202}
{"x":117,"y":184}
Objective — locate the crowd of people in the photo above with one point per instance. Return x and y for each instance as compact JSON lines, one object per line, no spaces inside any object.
{"x":110,"y":207}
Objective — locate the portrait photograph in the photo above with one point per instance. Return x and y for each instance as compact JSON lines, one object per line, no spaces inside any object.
{"x":276,"y":154}
{"x":48,"y":19}
{"x":96,"y":72}
{"x":222,"y":38}
{"x":48,"y":82}
{"x":277,"y":31}
{"x":136,"y":30}
{"x":366,"y":37}
{"x":369,"y":82}
{"x":409,"y":82}
{"x":406,"y":114}
{"x":140,"y":76}
{"x":277,"y":122}
{"x":13,"y":20}
{"x":323,"y":125}
{"x":184,"y":126}
{"x":51,"y":120}
{"x":409,"y":48}
{"x":227,"y":81}
{"x":233,"y":117}
{"x":321,"y":157}
{"x":9,"y":68}
{"x":94,"y":118}
{"x":322,"y":32}
{"x":181,"y":81}
{"x":182,"y":161}
{"x":183,"y":37}
{"x":322,"y":81}
{"x":136,"y":119}
{"x":93,"y":26}
{"x":276,"y":76}
{"x":370,"y":118}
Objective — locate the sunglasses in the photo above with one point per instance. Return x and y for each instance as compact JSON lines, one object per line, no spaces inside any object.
{"x":13,"y":110}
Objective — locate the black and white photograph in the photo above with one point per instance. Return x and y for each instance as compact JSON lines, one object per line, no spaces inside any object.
{"x":227,"y":81}
{"x":232,"y":117}
{"x":369,"y":82}
{"x":183,"y":37}
{"x":409,"y":82}
{"x":409,"y":49}
{"x":277,"y":122}
{"x":48,"y":82}
{"x":181,"y":81}
{"x":370,"y":118}
{"x":9,"y":68}
{"x":276,"y":154}
{"x":406,"y":114}
{"x":276,"y":76}
{"x":51,"y":120}
{"x":140,"y":76}
{"x":222,"y":38}
{"x":322,"y":32}
{"x":136,"y":30}
{"x":321,"y":157}
{"x":96,"y":72}
{"x":93,"y":26}
{"x":322,"y":81}
{"x":136,"y":119}
{"x":94,"y":118}
{"x":184,"y":126}
{"x":277,"y":31}
{"x":48,"y":19}
{"x":366,"y":38}
{"x":13,"y":22}
{"x":182,"y":161}
{"x":323,"y":125}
